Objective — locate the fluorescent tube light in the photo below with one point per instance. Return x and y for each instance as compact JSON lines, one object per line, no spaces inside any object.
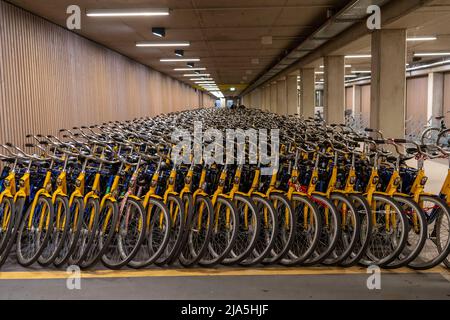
{"x":163,"y":44}
{"x":136,"y":12}
{"x":420,"y":38}
{"x":196,"y":75}
{"x":358,"y":56}
{"x":431,"y":54}
{"x":179,"y":60}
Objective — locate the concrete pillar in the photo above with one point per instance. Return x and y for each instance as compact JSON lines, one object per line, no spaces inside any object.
{"x":281,"y":97}
{"x":334,"y":89}
{"x":435,"y":97}
{"x":292,"y":94}
{"x":388,"y":86}
{"x":307,"y":92}
{"x":273,"y":97}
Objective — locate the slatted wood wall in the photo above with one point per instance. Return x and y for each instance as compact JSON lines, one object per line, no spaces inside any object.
{"x":51,"y":78}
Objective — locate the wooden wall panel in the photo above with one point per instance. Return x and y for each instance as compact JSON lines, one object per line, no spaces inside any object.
{"x":51,"y":78}
{"x":416,"y":102}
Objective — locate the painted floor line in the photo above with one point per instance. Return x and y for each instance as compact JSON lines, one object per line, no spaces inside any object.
{"x":23,"y":275}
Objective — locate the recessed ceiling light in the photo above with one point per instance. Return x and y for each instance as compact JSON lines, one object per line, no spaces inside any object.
{"x":179,"y":53}
{"x":196,"y":75}
{"x":189,"y":69}
{"x":358,"y":56}
{"x":431,"y":54}
{"x":179,"y":60}
{"x":425,"y":38}
{"x":141,"y":12}
{"x":232,"y":89}
{"x":162,"y":44}
{"x":159,"y":31}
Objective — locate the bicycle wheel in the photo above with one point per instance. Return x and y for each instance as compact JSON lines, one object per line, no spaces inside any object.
{"x":349,"y":226}
{"x":128,"y":236}
{"x":199,"y":232}
{"x":437,"y":244}
{"x":34,"y":232}
{"x":177,"y":227}
{"x":7,"y":218}
{"x":188,"y":204}
{"x":267,"y":234}
{"x":330,"y":231}
{"x":307,"y":224}
{"x":363,"y":210}
{"x":104,"y":233}
{"x":76,"y":210}
{"x":157,"y":234}
{"x":417,"y":232}
{"x":443,"y":139}
{"x":225,"y":225}
{"x":286,"y":222}
{"x":389,"y":232}
{"x":61,"y":225}
{"x":249,"y":228}
{"x":89,"y":223}
{"x":19,"y":205}
{"x":430,"y":136}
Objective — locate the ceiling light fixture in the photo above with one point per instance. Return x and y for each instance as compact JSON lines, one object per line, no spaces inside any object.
{"x":190,"y":64}
{"x":201,"y":79}
{"x":141,"y":12}
{"x":347,"y":66}
{"x":179,"y":60}
{"x":431,"y":54}
{"x":232,"y":89}
{"x":162,"y":44}
{"x":179,"y":53}
{"x":421,"y":38}
{"x":361,"y":71}
{"x":159,"y":31}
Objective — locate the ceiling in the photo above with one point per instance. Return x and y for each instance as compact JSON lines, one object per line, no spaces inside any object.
{"x":225,"y":34}
{"x":433,"y":19}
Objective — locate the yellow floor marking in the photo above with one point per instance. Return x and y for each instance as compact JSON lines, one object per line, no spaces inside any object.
{"x":15,"y":275}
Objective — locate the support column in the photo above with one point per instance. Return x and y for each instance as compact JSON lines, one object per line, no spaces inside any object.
{"x":281,"y":97}
{"x":388,"y":86}
{"x":307,"y":92}
{"x":435,"y":97}
{"x":292,"y":94}
{"x":334,"y":89}
{"x":273,"y":97}
{"x":268,"y":100}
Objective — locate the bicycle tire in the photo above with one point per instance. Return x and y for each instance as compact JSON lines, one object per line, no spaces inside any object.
{"x":350,"y":229}
{"x":73,"y":234}
{"x":157,"y":227}
{"x":412,"y":248}
{"x":441,"y":211}
{"x":104,"y":234}
{"x":306,"y":236}
{"x":6,"y":221}
{"x":286,"y":220}
{"x":191,"y":253}
{"x":247,"y":232}
{"x":24,"y":258}
{"x":89,"y":222}
{"x":58,"y":234}
{"x":217,"y":252}
{"x":122,"y":249}
{"x":268,"y":231}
